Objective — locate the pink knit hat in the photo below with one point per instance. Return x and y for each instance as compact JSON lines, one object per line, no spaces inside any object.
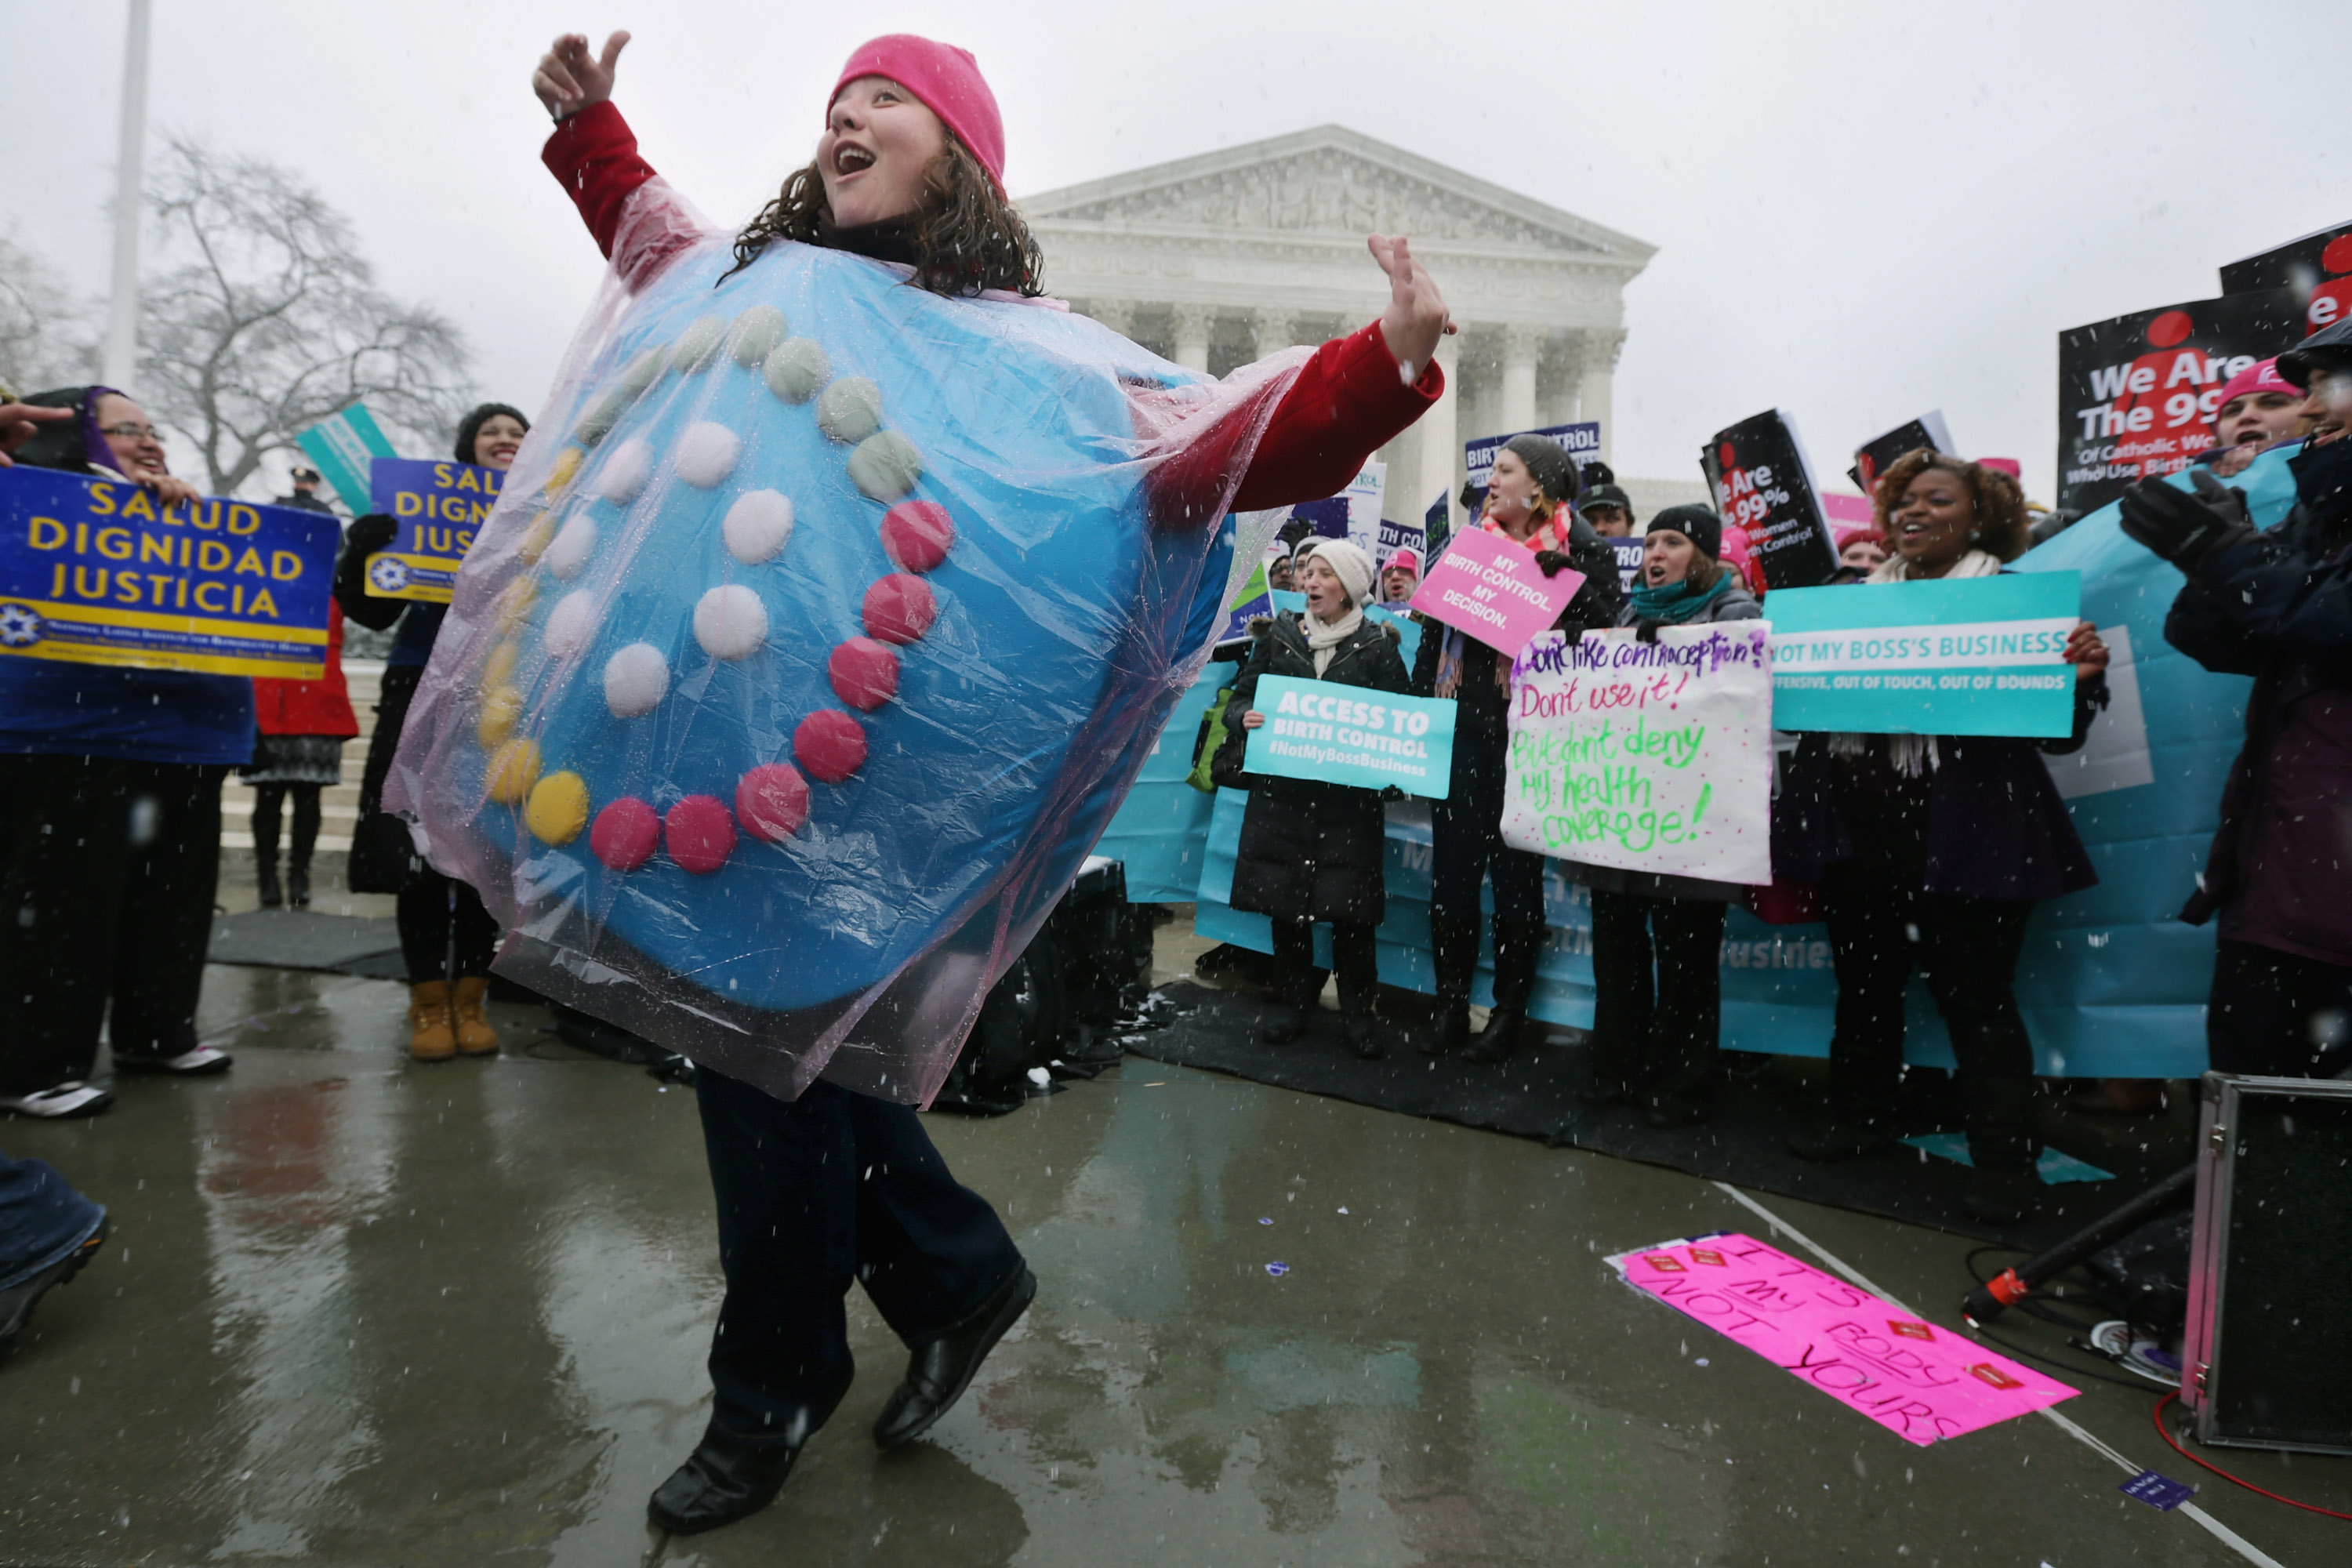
{"x":2262,"y":377}
{"x":1404,"y":559}
{"x":947,"y":82}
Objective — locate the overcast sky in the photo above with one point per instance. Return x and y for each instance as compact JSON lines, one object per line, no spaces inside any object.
{"x":1862,"y":212}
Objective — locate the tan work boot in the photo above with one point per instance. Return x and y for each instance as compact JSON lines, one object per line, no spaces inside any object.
{"x":431,"y":1036}
{"x":475,"y":1035}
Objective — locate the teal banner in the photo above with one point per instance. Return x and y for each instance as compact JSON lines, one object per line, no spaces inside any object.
{"x":343,"y":444}
{"x":1351,"y":735}
{"x":1980,"y":657}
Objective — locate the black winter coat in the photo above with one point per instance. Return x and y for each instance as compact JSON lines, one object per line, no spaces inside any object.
{"x":1308,"y":849}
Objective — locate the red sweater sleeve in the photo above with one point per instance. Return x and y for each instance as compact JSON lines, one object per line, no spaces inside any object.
{"x":1349,"y":402}
{"x":594,"y":155}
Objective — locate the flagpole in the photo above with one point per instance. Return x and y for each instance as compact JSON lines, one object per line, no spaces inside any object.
{"x":122,"y":306}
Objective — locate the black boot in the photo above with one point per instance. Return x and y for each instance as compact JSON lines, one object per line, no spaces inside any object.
{"x":1360,"y":1019}
{"x":265,"y":876}
{"x":938,"y":1373}
{"x":2005,"y":1187}
{"x":1499,"y":1039}
{"x":1453,"y":948}
{"x":1297,"y":995}
{"x":1516,"y":950}
{"x":724,"y":1479}
{"x":1449,"y":1032}
{"x":298,"y":885}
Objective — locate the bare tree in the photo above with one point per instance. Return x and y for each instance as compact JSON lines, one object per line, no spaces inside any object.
{"x":48,"y":334}
{"x":263,"y":318}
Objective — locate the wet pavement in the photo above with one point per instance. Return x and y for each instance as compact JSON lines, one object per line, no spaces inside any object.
{"x":359,"y":1313}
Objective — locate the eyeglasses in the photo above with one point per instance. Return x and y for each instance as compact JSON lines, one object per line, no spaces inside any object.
{"x":131,"y":432}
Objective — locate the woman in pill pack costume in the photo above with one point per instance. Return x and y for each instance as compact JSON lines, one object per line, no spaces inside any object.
{"x":821,"y":626}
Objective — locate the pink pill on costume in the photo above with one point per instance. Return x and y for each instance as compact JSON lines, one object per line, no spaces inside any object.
{"x":773,"y":802}
{"x":865,"y":673}
{"x":917,"y":534}
{"x":699,"y":834}
{"x":901,"y":608}
{"x":625,"y":834}
{"x":830,"y":744}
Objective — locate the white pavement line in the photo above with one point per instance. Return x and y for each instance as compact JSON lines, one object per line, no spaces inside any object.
{"x":2221,"y":1533}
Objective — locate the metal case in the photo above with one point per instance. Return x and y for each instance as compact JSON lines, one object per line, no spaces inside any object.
{"x":2267,"y":1361}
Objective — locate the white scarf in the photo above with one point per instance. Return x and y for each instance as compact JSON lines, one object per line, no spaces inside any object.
{"x":1325,"y":636}
{"x":1913,"y":755}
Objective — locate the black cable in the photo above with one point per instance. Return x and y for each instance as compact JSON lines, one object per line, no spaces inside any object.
{"x":2138,"y":1384}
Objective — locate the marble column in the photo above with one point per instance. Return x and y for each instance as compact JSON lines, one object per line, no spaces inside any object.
{"x":1441,"y":448}
{"x":1189,"y":330}
{"x":1593,"y":390}
{"x":1271,"y":331}
{"x":1522,"y":350}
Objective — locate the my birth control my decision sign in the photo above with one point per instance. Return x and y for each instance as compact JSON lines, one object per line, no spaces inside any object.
{"x":1494,"y":590}
{"x":95,"y":572}
{"x":438,"y":506}
{"x":1980,"y":657}
{"x":1646,"y":756}
{"x":1351,"y":735}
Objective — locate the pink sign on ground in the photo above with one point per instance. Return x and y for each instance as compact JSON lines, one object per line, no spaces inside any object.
{"x":1919,"y":1382}
{"x":1494,"y":590}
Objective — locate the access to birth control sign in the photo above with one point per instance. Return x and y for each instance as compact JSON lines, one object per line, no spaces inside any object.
{"x":1351,"y":735}
{"x":1980,"y":657}
{"x":439,"y":506}
{"x":95,"y":572}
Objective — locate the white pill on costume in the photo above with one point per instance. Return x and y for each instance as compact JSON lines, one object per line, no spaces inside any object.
{"x":574,"y":542}
{"x":850,"y":409}
{"x":730,"y":622}
{"x":758,"y":526}
{"x":635,"y":680}
{"x":572,"y":625}
{"x":705,"y":454}
{"x":624,"y":473}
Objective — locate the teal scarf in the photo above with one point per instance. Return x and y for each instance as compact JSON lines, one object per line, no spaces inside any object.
{"x":1676,"y":603}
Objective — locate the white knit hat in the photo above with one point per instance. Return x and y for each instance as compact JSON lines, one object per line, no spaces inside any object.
{"x":1349,"y":562}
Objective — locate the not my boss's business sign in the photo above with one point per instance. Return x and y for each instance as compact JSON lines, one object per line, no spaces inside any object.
{"x":98,"y":571}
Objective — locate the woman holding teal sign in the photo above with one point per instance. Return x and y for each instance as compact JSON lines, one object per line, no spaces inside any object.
{"x":1931,"y":852}
{"x":1311,"y":850}
{"x":1656,"y":940}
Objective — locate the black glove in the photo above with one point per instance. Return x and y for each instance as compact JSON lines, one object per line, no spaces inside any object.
{"x":1574,"y":634}
{"x":1390,"y":793}
{"x":2184,"y":528}
{"x":1554,"y":562}
{"x":1646,"y":630}
{"x":370,"y":533}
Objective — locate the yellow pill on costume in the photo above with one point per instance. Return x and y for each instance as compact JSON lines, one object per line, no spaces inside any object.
{"x":514,"y":768}
{"x":514,"y":604}
{"x":498,"y":668}
{"x":567,"y":468}
{"x":558,"y":808}
{"x":501,"y":707}
{"x":537,"y":537}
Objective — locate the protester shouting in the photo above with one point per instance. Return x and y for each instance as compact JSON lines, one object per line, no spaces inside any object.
{"x":112,"y":777}
{"x":2277,"y":605}
{"x":1657,"y":939}
{"x":1399,"y":576}
{"x":1930,"y":852}
{"x":1313,"y":851}
{"x":1530,"y":501}
{"x":446,"y":938}
{"x":837,"y":1185}
{"x":2258,"y":409}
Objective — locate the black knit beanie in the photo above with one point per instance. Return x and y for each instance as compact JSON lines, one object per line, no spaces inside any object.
{"x":1697,"y":523}
{"x":471,"y":425}
{"x":1553,"y":468}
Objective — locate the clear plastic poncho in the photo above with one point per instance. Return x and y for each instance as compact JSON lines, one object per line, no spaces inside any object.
{"x":820,"y":628}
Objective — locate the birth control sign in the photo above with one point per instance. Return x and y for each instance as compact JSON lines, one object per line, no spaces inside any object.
{"x":1646,"y":756}
{"x":438,"y":506}
{"x":96,"y":572}
{"x":1493,"y":589}
{"x":1920,"y":1380}
{"x":1762,"y":483}
{"x":1351,"y":735}
{"x":1980,"y":657}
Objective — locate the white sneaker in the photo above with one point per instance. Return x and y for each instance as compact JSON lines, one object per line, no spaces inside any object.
{"x":196,"y":1063}
{"x":70,"y":1099}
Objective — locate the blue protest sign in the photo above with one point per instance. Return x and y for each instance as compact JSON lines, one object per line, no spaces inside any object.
{"x":342,"y":446}
{"x":1288,"y":602}
{"x":1351,"y":735}
{"x":1583,"y":442}
{"x":1408,"y":630}
{"x":1980,"y":656}
{"x":94,"y":571}
{"x":1629,"y":562}
{"x":439,"y":507}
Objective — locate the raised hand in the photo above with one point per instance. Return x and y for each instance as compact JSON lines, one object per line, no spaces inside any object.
{"x":569,"y":79}
{"x":18,"y":423}
{"x":1416,"y":318}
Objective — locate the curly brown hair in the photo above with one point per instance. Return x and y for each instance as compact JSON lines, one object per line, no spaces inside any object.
{"x":1995,"y":498}
{"x":966,"y":237}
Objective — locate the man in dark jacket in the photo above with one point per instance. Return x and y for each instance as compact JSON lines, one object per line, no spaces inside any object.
{"x":2277,"y":605}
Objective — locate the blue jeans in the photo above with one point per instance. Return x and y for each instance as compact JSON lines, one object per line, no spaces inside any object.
{"x":42,"y":1219}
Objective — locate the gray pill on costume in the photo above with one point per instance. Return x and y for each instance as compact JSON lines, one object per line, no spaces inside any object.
{"x":850,"y":409}
{"x":698,"y":346}
{"x":757,"y":333}
{"x":796,"y":369}
{"x":886,"y":466}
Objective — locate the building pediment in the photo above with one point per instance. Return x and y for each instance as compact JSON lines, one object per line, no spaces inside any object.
{"x":1332,"y":182}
